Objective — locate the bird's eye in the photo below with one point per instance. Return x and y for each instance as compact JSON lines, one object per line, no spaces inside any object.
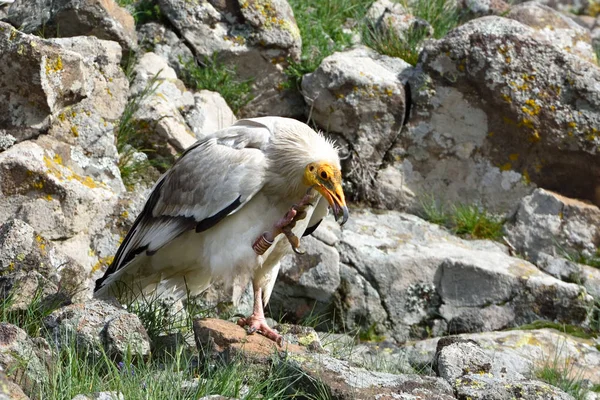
{"x":323,"y":174}
{"x":311,"y":168}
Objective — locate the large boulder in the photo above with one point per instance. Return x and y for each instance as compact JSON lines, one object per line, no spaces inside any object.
{"x":497,"y":110}
{"x":358,"y":97}
{"x":430,"y":282}
{"x":97,"y":326}
{"x":260,"y":37}
{"x":549,"y":223}
{"x":66,"y":18}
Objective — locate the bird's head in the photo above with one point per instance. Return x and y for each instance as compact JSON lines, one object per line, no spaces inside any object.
{"x":327,"y":180}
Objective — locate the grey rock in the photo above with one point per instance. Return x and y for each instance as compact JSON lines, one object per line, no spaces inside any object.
{"x":65,"y":18}
{"x":307,"y":283}
{"x":490,"y":119}
{"x":209,"y":114}
{"x":259,"y":36}
{"x":100,"y":396}
{"x":358,"y":96}
{"x":390,"y":17}
{"x":158,"y":39}
{"x":555,"y":27}
{"x":97,"y":324}
{"x":546,"y":222}
{"x":21,"y":358}
{"x":517,"y":354}
{"x":480,"y":387}
{"x":8,"y":389}
{"x":421,"y":273}
{"x":566,"y":6}
{"x":158,"y":118}
{"x":340,"y":380}
{"x":6,"y":140}
{"x":480,"y":8}
{"x":461,"y":358}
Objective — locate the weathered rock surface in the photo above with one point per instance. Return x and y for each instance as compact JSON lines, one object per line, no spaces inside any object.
{"x":161,"y":97}
{"x":555,"y":27}
{"x":21,"y":358}
{"x":522,"y":352}
{"x":10,"y":390}
{"x":549,"y":223}
{"x":260,"y":36}
{"x":209,"y":114}
{"x":497,"y":107}
{"x":97,"y":324}
{"x":426,"y":278}
{"x":66,"y":18}
{"x":386,"y":16}
{"x":100,"y":396}
{"x":358,"y":96}
{"x":163,"y":42}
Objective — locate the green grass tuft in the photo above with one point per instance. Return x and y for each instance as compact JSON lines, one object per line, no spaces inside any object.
{"x":143,"y":11}
{"x":467,"y":220}
{"x":580,"y":258}
{"x":216,"y":77}
{"x":561,"y":373}
{"x":321,"y":24}
{"x":442,"y":15}
{"x":572,"y":330}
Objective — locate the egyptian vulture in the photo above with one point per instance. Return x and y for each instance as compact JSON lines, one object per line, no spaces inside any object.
{"x":225,"y":209}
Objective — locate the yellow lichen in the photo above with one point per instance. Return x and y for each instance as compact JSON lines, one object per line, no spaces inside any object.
{"x":53,"y":66}
{"x":513,"y":156}
{"x":48,"y":197}
{"x":506,"y":98}
{"x":102,"y":262}
{"x":62,"y":117}
{"x":506,"y":167}
{"x":535,"y":137}
{"x":74,"y":131}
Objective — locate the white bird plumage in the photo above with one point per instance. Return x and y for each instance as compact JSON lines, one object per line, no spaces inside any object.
{"x":203,"y":215}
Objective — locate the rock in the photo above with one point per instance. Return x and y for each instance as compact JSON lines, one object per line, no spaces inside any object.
{"x":261,"y":36}
{"x":495,"y":108}
{"x":421,"y":273}
{"x":555,"y":27}
{"x":480,"y":8}
{"x":97,"y":323}
{"x":67,"y":18}
{"x":460,"y":358}
{"x":386,"y":16}
{"x":209,"y":114}
{"x":161,"y":96}
{"x":163,"y":42}
{"x":546,"y":222}
{"x":519,"y":353}
{"x":480,"y":387}
{"x":19,"y":289}
{"x":307,"y":283}
{"x":100,"y":396}
{"x":21,"y":358}
{"x":6,"y":140}
{"x":358,"y":96}
{"x":339,"y":380}
{"x":37,"y":80}
{"x":10,"y":390}
{"x":217,"y":338}
{"x":566,"y":6}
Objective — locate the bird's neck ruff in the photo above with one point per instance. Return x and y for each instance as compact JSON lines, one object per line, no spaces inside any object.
{"x":292,"y":148}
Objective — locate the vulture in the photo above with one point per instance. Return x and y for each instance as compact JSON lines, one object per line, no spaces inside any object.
{"x":231,"y":206}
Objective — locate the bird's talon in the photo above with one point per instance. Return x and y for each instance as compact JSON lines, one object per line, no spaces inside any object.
{"x":251,"y":330}
{"x":298,"y":251}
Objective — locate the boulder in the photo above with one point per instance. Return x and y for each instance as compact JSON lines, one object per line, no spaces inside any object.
{"x":159,"y":98}
{"x":97,"y":324}
{"x":486,"y":387}
{"x":555,"y":27}
{"x":358,"y":97}
{"x":209,"y":114}
{"x":386,"y":16}
{"x":67,"y":18}
{"x":520,"y":353}
{"x":498,"y":109}
{"x":160,"y":40}
{"x":10,"y":390}
{"x":260,"y":36}
{"x":481,"y":8}
{"x":425,"y":278}
{"x":21,"y":358}
{"x":551,"y":224}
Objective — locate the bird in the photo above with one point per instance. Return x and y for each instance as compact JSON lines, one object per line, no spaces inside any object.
{"x":231,"y":206}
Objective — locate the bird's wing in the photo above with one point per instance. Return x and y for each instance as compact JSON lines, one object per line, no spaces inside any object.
{"x":213,"y":178}
{"x":320,"y":212}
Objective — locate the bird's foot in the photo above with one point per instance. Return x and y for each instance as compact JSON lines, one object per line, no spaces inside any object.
{"x":285,"y":225}
{"x":258,"y":324}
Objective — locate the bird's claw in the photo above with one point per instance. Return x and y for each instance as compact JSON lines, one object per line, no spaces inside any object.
{"x":257,"y":324}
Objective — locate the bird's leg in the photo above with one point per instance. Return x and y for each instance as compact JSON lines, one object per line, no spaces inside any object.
{"x":285,"y":225}
{"x":257,"y":323}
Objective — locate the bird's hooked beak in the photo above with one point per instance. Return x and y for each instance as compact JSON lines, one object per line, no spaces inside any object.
{"x":327,"y":181}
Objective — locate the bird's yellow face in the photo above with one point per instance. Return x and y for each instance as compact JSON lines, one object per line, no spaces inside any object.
{"x":327,"y":180}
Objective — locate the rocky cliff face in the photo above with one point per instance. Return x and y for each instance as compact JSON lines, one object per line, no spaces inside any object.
{"x":471,"y":151}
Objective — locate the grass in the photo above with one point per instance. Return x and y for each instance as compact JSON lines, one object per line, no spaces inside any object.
{"x":143,"y":11}
{"x":580,"y":258}
{"x":216,"y":77}
{"x":321,"y":24}
{"x":572,"y":330}
{"x":442,"y":15}
{"x":466,"y":220}
{"x":128,"y":137}
{"x":560,"y":372}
